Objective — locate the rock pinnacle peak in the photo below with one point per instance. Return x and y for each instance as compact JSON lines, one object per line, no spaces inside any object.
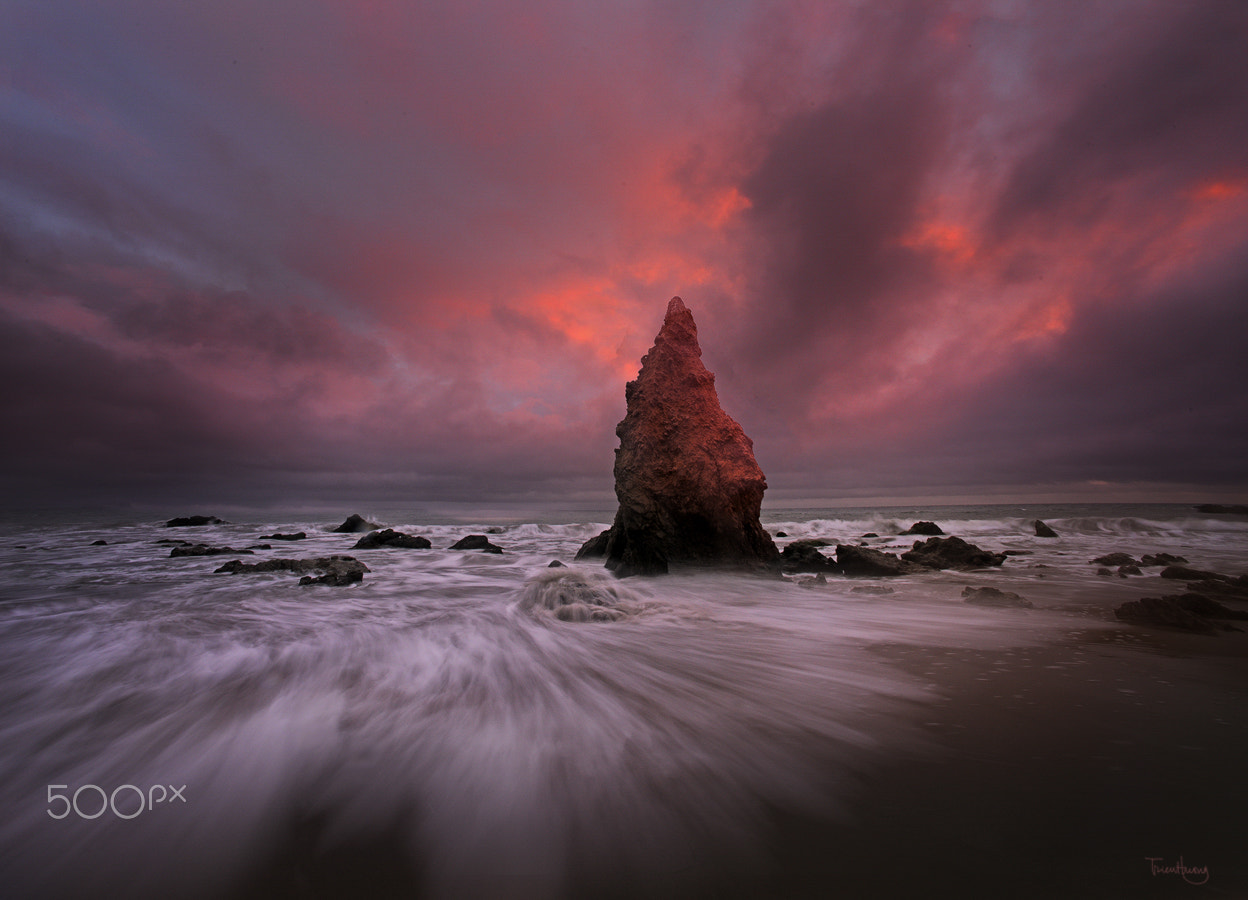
{"x":678,"y":327}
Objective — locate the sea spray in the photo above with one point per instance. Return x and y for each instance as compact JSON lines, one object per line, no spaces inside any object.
{"x":578,"y":595}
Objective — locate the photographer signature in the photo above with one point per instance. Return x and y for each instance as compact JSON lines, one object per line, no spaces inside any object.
{"x":1190,"y":874}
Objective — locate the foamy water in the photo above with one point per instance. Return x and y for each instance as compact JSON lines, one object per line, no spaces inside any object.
{"x":511,"y":729}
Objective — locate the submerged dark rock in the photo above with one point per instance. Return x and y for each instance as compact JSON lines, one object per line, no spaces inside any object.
{"x":864,"y":561}
{"x":391,"y":538}
{"x":1165,"y":612}
{"x":926,"y":528}
{"x":1116,"y":559}
{"x":297,"y":536}
{"x":1161,"y":559}
{"x":335,"y":577}
{"x":951,"y":553}
{"x":205,"y":550}
{"x":1223,"y":587}
{"x":355,"y":524}
{"x":475,"y":542}
{"x":804,"y":556}
{"x":991,"y":596}
{"x":1186,"y":573}
{"x":1221,"y":509}
{"x":1187,"y":612}
{"x":332,"y":570}
{"x":100,"y":543}
{"x":688,"y":485}
{"x":1043,"y":530}
{"x":1209,"y":608}
{"x":194,"y":522}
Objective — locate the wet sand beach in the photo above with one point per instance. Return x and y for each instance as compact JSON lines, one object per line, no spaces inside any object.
{"x":1092,"y":768}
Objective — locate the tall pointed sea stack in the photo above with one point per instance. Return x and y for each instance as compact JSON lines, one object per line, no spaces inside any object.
{"x":689,"y":487}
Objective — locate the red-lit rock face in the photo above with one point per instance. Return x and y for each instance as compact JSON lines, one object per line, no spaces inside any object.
{"x":685,"y":475}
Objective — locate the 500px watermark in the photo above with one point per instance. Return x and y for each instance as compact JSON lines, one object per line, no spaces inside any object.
{"x":91,"y":801}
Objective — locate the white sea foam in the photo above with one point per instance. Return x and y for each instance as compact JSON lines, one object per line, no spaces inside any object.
{"x":513,"y":727}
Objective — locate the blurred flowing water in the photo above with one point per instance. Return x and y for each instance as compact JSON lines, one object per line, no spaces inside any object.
{"x":499,"y":727}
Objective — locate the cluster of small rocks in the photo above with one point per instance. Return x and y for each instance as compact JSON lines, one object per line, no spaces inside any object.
{"x":1200,"y":610}
{"x":861,"y":561}
{"x":1125,"y":564}
{"x":337,"y":570}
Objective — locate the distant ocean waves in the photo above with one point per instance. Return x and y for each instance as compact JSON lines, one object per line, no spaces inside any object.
{"x":1097,"y":528}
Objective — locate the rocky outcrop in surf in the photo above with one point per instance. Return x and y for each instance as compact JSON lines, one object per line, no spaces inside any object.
{"x":194,"y":522}
{"x":390,"y":538}
{"x":278,"y":536}
{"x":338,"y":571}
{"x":1116,"y":559}
{"x":951,"y":553}
{"x":204,"y":550}
{"x":355,"y":524}
{"x":1185,"y":612}
{"x":476,"y":542}
{"x":866,"y":562}
{"x":991,"y":596}
{"x":688,"y":485}
{"x":804,"y":556}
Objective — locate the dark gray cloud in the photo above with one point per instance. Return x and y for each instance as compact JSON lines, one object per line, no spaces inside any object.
{"x":1148,"y":393}
{"x":89,"y":424}
{"x":1159,"y":115}
{"x":838,"y":187}
{"x":77,"y":417}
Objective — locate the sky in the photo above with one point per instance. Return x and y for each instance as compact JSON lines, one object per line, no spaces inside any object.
{"x":304,"y":251}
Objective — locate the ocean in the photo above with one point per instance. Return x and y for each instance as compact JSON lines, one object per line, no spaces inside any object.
{"x":437,"y":730}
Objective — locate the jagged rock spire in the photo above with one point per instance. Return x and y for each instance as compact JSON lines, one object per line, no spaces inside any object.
{"x":686,"y":479}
